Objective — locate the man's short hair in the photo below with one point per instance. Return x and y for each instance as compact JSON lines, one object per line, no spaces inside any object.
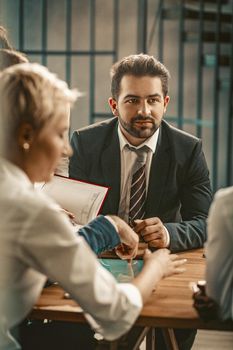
{"x":138,"y":65}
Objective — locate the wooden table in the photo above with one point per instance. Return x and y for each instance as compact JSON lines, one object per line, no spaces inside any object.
{"x":170,"y":305}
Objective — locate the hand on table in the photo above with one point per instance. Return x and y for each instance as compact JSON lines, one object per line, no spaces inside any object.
{"x":152,"y":231}
{"x":157,"y":265}
{"x":167,"y":264}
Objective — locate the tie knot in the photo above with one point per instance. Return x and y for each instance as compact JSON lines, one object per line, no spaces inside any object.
{"x":140,"y":152}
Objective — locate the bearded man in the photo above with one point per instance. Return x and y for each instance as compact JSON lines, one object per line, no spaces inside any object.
{"x":158,"y":176}
{"x":172,"y":210}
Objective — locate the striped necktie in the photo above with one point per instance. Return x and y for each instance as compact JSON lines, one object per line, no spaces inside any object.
{"x":138,"y":186}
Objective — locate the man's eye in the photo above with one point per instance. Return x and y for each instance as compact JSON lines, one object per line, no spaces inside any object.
{"x":132,"y":100}
{"x":152,"y":100}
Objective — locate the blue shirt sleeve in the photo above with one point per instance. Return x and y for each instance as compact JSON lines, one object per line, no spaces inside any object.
{"x":100,"y":234}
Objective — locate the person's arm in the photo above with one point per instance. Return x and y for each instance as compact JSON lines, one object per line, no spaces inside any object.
{"x":161,"y":261}
{"x":195,"y":197}
{"x":219,"y":257}
{"x":100,"y":234}
{"x":52,"y":248}
{"x":107,"y":232}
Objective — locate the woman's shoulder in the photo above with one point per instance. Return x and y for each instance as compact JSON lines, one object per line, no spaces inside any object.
{"x":224,"y":195}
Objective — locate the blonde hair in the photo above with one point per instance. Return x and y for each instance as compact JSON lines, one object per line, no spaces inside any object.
{"x":8,"y":55}
{"x":30,"y":93}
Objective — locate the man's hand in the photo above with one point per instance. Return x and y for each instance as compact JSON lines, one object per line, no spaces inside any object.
{"x":129,"y":239}
{"x":152,"y":231}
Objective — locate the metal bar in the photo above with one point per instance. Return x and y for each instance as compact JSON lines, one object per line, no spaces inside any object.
{"x":181,"y":66}
{"x":21,"y":25}
{"x":170,"y":338}
{"x":216,"y":98}
{"x":154,"y":27}
{"x":43,"y":52}
{"x":68,"y":39}
{"x":92,"y":59}
{"x":142,"y":26}
{"x":199,"y":68}
{"x":229,"y":178}
{"x":161,"y":31}
{"x":203,"y":123}
{"x":71,"y":52}
{"x":116,"y":30}
{"x":150,"y":339}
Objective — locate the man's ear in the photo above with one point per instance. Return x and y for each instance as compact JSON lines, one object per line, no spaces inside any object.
{"x":166,"y":101}
{"x":113,"y":105}
{"x":25,"y":135}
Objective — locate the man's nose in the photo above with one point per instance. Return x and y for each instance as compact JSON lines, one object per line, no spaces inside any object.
{"x":144,"y":109}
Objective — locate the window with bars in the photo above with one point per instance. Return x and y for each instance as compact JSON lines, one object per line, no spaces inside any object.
{"x":80,"y":39}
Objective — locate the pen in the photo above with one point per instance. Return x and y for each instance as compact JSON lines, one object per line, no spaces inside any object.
{"x":130,"y":267}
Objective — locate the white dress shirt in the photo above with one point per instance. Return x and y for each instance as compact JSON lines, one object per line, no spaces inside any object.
{"x":219,"y":252}
{"x":128,"y":158}
{"x":37,"y":240}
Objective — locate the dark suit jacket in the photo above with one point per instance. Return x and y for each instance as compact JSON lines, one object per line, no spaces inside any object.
{"x":179,"y":190}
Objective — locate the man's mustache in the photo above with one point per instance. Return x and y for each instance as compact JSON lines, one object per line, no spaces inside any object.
{"x":140,"y":118}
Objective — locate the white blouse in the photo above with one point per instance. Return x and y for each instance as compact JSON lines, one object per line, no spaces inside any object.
{"x":219,"y":252}
{"x":37,"y":240}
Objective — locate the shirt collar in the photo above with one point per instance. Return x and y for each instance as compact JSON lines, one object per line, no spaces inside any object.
{"x":151,"y":142}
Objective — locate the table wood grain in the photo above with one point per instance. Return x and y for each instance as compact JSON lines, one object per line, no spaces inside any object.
{"x":170,"y":305}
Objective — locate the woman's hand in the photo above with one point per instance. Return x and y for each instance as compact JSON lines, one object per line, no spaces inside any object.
{"x":129,"y":239}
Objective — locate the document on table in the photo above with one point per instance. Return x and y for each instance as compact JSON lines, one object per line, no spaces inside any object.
{"x":82,"y":199}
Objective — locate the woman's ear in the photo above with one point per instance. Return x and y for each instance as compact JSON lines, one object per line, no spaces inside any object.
{"x":25,"y":136}
{"x":113,"y":105}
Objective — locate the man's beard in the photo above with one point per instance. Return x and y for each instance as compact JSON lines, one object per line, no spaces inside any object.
{"x":144,"y":131}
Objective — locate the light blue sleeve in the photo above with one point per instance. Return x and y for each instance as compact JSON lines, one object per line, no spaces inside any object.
{"x":100,"y":234}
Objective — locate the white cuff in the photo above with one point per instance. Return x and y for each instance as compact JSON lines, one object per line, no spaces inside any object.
{"x":168,"y":237}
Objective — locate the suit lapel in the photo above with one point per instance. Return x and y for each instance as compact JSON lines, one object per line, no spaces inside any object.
{"x":160,"y":165}
{"x":110,"y":163}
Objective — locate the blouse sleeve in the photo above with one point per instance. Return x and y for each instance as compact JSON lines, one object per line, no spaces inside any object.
{"x":50,"y":246}
{"x":100,"y":234}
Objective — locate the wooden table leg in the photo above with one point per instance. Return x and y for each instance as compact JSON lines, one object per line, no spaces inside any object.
{"x":122,"y":343}
{"x":107,"y":345}
{"x":150,"y":339}
{"x":170,"y":339}
{"x":142,"y":335}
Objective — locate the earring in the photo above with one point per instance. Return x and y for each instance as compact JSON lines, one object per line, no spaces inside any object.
{"x":26,"y":146}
